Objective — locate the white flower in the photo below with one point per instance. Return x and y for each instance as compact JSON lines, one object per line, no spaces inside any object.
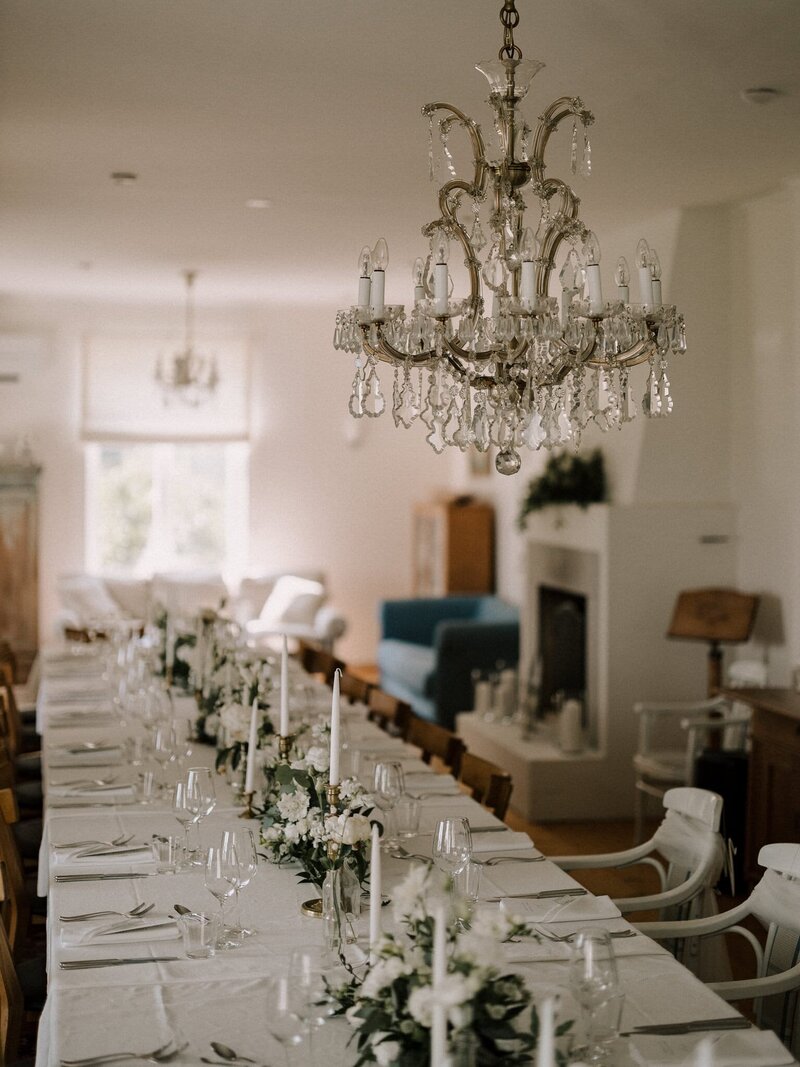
{"x":293,"y":806}
{"x":420,"y":1005}
{"x":235,"y":719}
{"x":211,"y":725}
{"x":418,"y":895}
{"x":318,"y":758}
{"x":386,"y":1052}
{"x":353,"y":1018}
{"x":348,"y":829}
{"x":383,"y":974}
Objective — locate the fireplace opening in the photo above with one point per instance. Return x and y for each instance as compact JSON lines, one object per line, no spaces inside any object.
{"x":562,"y":649}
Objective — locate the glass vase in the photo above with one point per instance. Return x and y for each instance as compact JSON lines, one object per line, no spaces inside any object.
{"x":341,"y":907}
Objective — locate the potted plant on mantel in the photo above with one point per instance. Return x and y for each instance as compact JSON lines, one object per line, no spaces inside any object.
{"x":567,"y":479}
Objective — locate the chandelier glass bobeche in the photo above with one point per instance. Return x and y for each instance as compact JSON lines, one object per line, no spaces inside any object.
{"x":509,"y":365}
{"x":187,"y":375}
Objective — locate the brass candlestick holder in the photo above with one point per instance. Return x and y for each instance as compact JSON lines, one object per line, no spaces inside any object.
{"x":285,"y":746}
{"x":168,"y":676}
{"x":248,"y":812}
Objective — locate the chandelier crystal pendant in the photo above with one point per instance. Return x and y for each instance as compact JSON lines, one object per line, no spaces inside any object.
{"x":510,"y":365}
{"x":187,"y":375}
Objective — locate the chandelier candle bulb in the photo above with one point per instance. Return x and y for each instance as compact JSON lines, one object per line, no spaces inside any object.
{"x":622,"y":277}
{"x":441,"y":278}
{"x":545,"y":1049}
{"x":252,"y":749}
{"x":418,"y":274}
{"x":374,"y":892}
{"x":439,"y":968}
{"x":654,"y":263}
{"x":284,"y":720}
{"x":380,"y":261}
{"x":333,"y":776}
{"x":594,"y":285}
{"x":364,"y":282}
{"x":645,"y":277}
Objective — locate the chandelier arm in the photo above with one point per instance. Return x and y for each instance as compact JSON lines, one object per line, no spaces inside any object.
{"x":475,"y":136}
{"x":549,"y":121}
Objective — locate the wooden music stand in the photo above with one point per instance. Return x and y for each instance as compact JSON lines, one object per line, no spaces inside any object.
{"x":718,"y":616}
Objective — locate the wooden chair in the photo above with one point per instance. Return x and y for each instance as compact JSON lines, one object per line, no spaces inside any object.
{"x":489,"y":784}
{"x":390,"y":713}
{"x":316,"y":660}
{"x":16,"y":906}
{"x":436,"y":741}
{"x":11,"y":1002}
{"x":355,"y":689}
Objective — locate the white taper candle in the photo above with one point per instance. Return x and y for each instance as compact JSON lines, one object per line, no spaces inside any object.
{"x":374,"y":892}
{"x":334,"y":771}
{"x":439,"y":967}
{"x":546,"y":1046}
{"x":284,"y":725}
{"x":252,"y":749}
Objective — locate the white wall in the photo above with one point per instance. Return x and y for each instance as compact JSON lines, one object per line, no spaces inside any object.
{"x":316,"y":500}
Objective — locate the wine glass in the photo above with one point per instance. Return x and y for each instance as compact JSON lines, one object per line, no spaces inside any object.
{"x":221,"y":875}
{"x":595,"y":985}
{"x":164,"y":744}
{"x":388,"y":786}
{"x":311,"y":1000}
{"x":283,"y":1022}
{"x":452,"y":845}
{"x":181,"y":809}
{"x":240,"y":846}
{"x":201,"y":798}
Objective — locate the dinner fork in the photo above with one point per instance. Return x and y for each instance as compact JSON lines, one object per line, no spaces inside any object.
{"x":493,"y":862}
{"x":136,"y":913}
{"x":159,"y":1055}
{"x":551,"y":935}
{"x":122,"y":839}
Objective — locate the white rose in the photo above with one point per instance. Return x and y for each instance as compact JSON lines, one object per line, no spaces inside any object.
{"x":212,"y":724}
{"x":386,"y":1052}
{"x":420,"y":1005}
{"x":235,"y":719}
{"x":318,"y":758}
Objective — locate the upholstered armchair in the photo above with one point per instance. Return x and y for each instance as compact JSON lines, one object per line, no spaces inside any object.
{"x":429,"y":647}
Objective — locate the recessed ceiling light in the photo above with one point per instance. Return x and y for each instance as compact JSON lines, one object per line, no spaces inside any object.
{"x":123,"y":177}
{"x":760,"y":95}
{"x":258,"y":202}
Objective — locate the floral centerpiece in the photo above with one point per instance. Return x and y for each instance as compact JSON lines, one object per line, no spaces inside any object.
{"x":297,"y":823}
{"x":184,"y":648}
{"x":488,"y":1011}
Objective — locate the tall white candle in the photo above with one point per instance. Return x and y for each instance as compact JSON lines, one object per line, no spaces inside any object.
{"x":334,"y":772}
{"x":546,"y":1047}
{"x":439,"y":967}
{"x":705,"y":1053}
{"x":199,"y":654}
{"x":170,"y":649}
{"x":252,"y":749}
{"x":374,"y":892}
{"x":284,"y":726}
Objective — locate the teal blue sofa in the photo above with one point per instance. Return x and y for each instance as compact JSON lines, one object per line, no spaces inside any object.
{"x":429,"y":647}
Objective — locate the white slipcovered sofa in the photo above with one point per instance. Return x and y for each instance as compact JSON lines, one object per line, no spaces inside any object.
{"x":292,"y":603}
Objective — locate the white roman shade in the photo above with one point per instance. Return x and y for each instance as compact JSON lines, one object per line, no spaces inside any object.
{"x":122,"y":401}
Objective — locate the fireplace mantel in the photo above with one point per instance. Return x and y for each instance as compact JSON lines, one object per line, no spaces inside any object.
{"x":629,"y":561}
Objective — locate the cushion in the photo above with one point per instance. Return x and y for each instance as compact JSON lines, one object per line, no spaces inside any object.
{"x":293,"y":600}
{"x":254,"y":592}
{"x":86,"y":595}
{"x":413,"y":665}
{"x":187,"y":594}
{"x":132,"y":595}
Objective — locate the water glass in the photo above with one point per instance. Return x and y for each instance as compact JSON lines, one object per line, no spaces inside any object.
{"x":595,"y":985}
{"x":148,"y":788}
{"x":407,"y":812}
{"x":168,"y":853}
{"x":284,"y":1025}
{"x":467,"y":884}
{"x":388,"y":786}
{"x":221,"y":876}
{"x":200,"y":934}
{"x":239,"y":848}
{"x":452,"y":845}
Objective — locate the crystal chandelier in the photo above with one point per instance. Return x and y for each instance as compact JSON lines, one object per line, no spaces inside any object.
{"x":510,"y":365}
{"x":187,"y":374}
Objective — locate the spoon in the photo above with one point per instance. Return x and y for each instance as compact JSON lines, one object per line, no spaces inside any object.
{"x":228,"y":1053}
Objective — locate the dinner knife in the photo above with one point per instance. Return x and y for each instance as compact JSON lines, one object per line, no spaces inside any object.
{"x":693,"y":1027}
{"x":101,"y":877}
{"x":488,"y":829}
{"x":84,"y":965}
{"x":543,"y":894}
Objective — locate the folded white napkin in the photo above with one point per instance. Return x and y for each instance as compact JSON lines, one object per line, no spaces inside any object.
{"x":101,"y":932}
{"x":69,"y":756}
{"x":529,"y":950}
{"x":502,"y":841}
{"x":733,"y":1048}
{"x":443,"y":786}
{"x":100,"y":794}
{"x":563,"y":909}
{"x":130,"y":853}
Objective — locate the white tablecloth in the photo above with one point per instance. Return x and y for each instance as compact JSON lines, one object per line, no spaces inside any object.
{"x":91,"y":1012}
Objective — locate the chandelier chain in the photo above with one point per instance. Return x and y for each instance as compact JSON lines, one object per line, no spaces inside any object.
{"x":509,"y":16}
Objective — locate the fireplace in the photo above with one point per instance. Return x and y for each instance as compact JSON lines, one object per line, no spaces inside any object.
{"x":562,"y":649}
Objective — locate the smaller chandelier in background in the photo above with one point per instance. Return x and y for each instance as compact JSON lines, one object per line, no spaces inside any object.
{"x":508,"y":364}
{"x":187,"y":375}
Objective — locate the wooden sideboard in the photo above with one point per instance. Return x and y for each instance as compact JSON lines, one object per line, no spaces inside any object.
{"x":19,"y":559}
{"x":773,"y":809}
{"x":453,"y":547}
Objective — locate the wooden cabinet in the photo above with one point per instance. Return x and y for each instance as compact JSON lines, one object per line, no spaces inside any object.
{"x":453,"y":547}
{"x":773,"y":812}
{"x":19,"y":559}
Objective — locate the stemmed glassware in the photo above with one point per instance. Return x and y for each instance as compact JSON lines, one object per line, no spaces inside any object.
{"x":595,"y":985}
{"x":221,"y":876}
{"x":283,"y":1022}
{"x":452,"y":845}
{"x":201,"y":799}
{"x":388,"y":786}
{"x":239,"y":848}
{"x":310,"y":997}
{"x":164,"y":745}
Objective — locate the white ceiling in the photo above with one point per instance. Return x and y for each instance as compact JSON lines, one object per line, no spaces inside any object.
{"x":315,"y":104}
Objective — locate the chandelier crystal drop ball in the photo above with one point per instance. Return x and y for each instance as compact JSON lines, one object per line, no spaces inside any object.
{"x":510,"y":365}
{"x":187,"y":375}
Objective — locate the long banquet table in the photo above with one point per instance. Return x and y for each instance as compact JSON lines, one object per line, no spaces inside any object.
{"x":224,"y":999}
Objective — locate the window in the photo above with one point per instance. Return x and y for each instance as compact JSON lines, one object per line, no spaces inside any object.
{"x":166,"y":506}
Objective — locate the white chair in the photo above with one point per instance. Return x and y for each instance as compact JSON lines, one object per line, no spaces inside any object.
{"x":689,"y":842}
{"x":672,"y":736}
{"x":775,"y":902}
